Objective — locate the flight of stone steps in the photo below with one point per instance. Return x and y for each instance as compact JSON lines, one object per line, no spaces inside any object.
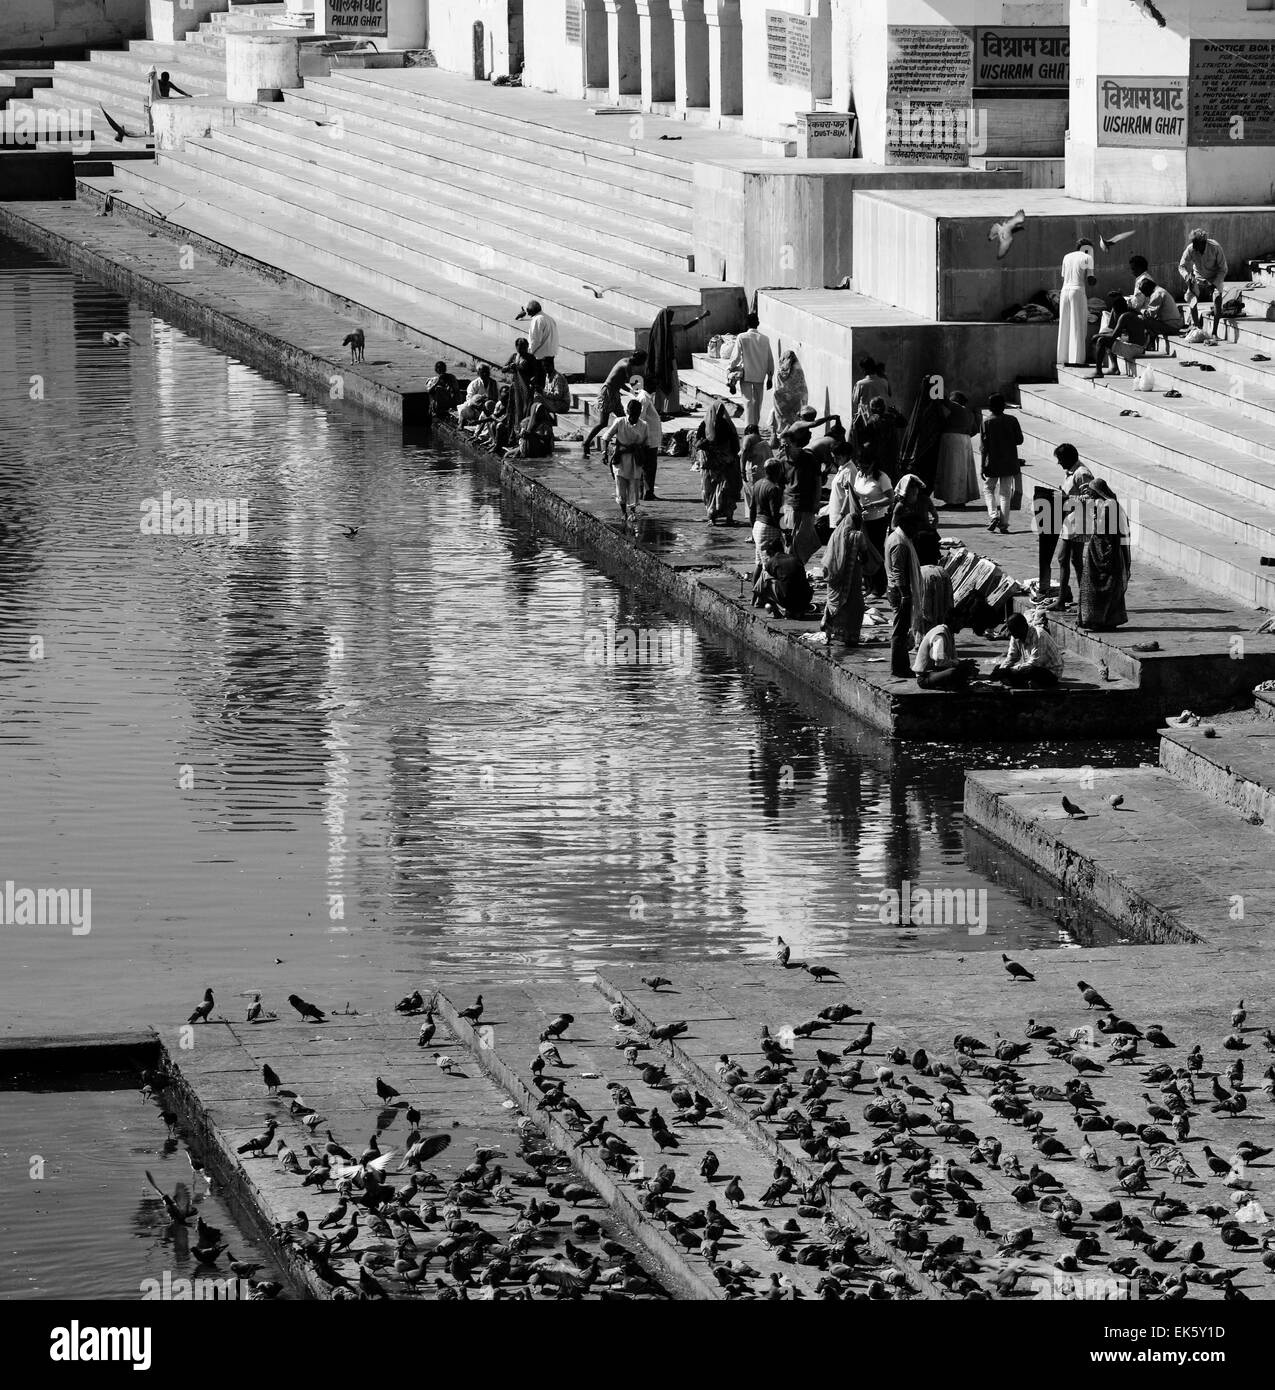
{"x":409,"y":195}
{"x":1196,"y":471}
{"x":115,"y":79}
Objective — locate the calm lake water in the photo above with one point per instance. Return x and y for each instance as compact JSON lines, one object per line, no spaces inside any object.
{"x":316,"y":762}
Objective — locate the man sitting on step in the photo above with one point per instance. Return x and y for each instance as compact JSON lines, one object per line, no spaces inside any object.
{"x":1124,"y":339}
{"x":1158,"y":310}
{"x":1203,"y":268}
{"x":1033,"y":657}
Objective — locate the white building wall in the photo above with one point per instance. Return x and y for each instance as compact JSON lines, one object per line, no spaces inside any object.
{"x":32,"y":24}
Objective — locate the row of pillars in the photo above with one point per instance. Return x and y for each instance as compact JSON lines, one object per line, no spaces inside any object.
{"x":688,"y":52}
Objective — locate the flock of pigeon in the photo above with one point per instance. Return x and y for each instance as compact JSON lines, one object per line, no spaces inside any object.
{"x":393,"y":1228}
{"x":900,"y":1175}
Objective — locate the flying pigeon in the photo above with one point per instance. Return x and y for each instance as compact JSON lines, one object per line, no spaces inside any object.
{"x":1003,"y":233}
{"x":1105,"y":243}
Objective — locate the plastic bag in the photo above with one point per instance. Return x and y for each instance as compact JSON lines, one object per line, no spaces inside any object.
{"x":1146,"y":380}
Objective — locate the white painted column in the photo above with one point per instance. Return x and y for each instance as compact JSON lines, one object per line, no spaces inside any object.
{"x":725,"y":57}
{"x":596,"y":55}
{"x":690,"y":46}
{"x":624,"y":49}
{"x":655,"y":31}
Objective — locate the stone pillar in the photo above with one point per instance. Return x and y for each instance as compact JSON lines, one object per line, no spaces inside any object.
{"x":690,"y":45}
{"x":624,"y":49}
{"x":655,"y":30}
{"x":260,"y":62}
{"x":725,"y":57}
{"x":596,"y":57}
{"x":1112,"y":39}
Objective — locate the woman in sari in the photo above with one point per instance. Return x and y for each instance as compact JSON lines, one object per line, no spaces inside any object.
{"x":850,"y":560}
{"x":956,"y":478}
{"x":790,"y":397}
{"x":535,"y":436}
{"x":919,"y":453}
{"x":912,"y":498}
{"x":1108,"y":560}
{"x":717,"y":458}
{"x":527,"y":377}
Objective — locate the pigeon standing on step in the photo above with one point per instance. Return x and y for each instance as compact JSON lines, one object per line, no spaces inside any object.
{"x":1072,"y":809}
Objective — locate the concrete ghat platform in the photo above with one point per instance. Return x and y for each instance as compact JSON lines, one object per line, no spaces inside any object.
{"x":333,"y":1066}
{"x":928,"y":251}
{"x":678,"y":556}
{"x":1193,"y":989}
{"x":1169,"y":864}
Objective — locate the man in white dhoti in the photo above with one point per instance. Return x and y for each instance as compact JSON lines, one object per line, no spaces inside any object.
{"x":1073,"y":304}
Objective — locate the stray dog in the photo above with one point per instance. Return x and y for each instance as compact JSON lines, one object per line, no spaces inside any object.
{"x":354,"y":341}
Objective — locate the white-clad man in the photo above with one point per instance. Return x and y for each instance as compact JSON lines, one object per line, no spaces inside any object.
{"x":753,"y":367}
{"x":654,"y":427}
{"x":542,"y":337}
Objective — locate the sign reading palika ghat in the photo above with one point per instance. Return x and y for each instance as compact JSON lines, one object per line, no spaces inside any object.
{"x":929,"y":90}
{"x":788,"y":54}
{"x":361,"y":18}
{"x":1007,"y":59}
{"x":1142,"y":111}
{"x":1232,"y":92}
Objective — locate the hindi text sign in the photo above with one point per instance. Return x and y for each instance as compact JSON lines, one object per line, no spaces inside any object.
{"x":1142,"y":111}
{"x":1013,"y":58}
{"x":358,"y":18}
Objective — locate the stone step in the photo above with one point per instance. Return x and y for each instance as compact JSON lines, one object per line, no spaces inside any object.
{"x":544,"y":166}
{"x":569,"y":255}
{"x":578,"y":196}
{"x":1167,"y":446}
{"x":590,"y":1061}
{"x":130,"y":114}
{"x":1173,"y":520}
{"x":440,"y":101}
{"x":172,"y":58}
{"x":420,"y":309}
{"x":1218,"y":420}
{"x":480,"y":284}
{"x":1236,"y":767}
{"x":1222,"y":390}
{"x":468,"y":194}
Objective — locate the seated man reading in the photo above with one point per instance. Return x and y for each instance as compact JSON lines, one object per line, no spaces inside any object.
{"x":1158,"y":309}
{"x":1033,"y":657}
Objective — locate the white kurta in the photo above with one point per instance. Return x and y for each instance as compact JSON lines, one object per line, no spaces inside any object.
{"x":1073,"y":308}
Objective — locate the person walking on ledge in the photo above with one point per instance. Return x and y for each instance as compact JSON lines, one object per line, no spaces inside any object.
{"x":1073,"y":304}
{"x":609,"y":406}
{"x":1033,"y":658}
{"x":1002,"y":436}
{"x":753,"y":365}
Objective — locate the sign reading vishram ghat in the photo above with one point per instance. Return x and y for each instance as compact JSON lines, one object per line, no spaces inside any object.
{"x":1142,"y":111}
{"x":788,"y":55}
{"x":1017,"y":58}
{"x":1232,"y":92}
{"x":929,"y":87}
{"x":364,"y":18}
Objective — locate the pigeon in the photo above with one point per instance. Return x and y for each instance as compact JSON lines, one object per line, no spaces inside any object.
{"x":1003,"y":233}
{"x":385,"y":1091}
{"x":821,"y":972}
{"x":117,"y":339}
{"x":472,"y":1014}
{"x":202,"y":1009}
{"x":311,"y":1011}
{"x":1073,"y":810}
{"x":1238,"y":1015}
{"x":120,"y":133}
{"x":1105,"y":243}
{"x":1117,"y":802}
{"x":428,"y":1028}
{"x":1092,"y":998}
{"x":270,"y":1077}
{"x":783,"y":952}
{"x":1015,"y":971}
{"x":655,"y":982}
{"x":597,"y":291}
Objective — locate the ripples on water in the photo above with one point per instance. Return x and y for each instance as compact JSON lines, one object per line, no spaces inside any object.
{"x":85,"y":1225}
{"x":405,"y":718}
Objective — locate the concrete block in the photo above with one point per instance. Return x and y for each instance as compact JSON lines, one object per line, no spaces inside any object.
{"x":193,"y":119}
{"x":257,"y":60}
